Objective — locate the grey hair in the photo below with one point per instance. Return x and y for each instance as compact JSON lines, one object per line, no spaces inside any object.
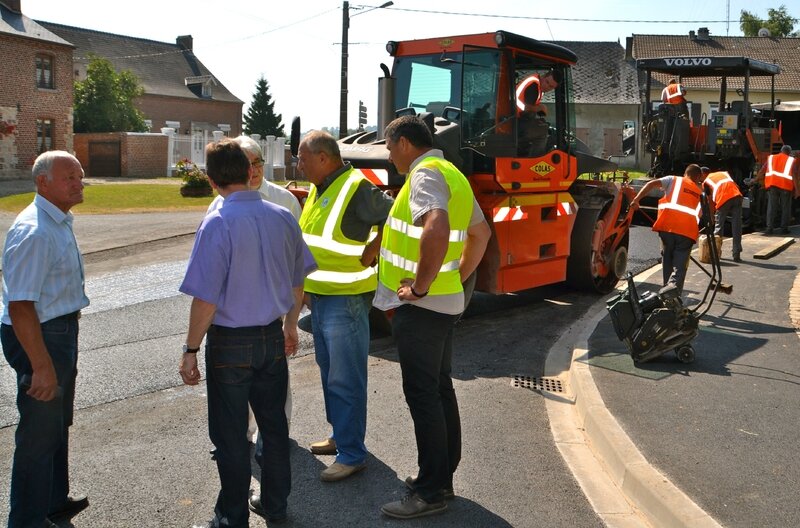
{"x":250,"y":146}
{"x":44,"y":163}
{"x":786,"y":149}
{"x":320,"y":141}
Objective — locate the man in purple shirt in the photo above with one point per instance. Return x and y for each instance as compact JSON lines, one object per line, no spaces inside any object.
{"x":246,"y":271}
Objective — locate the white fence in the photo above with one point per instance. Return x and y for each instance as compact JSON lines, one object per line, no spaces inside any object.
{"x":192,"y":147}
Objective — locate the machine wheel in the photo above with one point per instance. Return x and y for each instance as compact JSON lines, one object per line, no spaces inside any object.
{"x":582,"y":269}
{"x":685,"y":354}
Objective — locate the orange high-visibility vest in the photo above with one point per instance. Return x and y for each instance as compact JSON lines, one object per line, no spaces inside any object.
{"x":722,"y":187}
{"x":679,"y":212}
{"x":524,"y":85}
{"x":779,"y":172}
{"x":674,"y":94}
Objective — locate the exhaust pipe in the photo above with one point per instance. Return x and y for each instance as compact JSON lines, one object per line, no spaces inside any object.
{"x":386,"y":88}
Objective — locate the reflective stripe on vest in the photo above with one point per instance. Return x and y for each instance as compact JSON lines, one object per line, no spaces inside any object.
{"x":674,"y":95}
{"x":680,"y":211}
{"x":399,"y":256}
{"x":338,"y":257}
{"x":533,"y":79}
{"x":723,"y":188}
{"x":779,"y":172}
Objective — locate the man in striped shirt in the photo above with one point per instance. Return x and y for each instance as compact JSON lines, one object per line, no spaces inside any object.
{"x":43,"y":293}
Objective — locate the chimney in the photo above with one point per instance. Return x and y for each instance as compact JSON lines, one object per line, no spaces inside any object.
{"x":14,"y":5}
{"x":703,"y":34}
{"x":185,"y":42}
{"x":691,"y":35}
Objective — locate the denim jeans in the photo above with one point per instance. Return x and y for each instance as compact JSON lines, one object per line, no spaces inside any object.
{"x":779,"y":199}
{"x":425,"y":346}
{"x":40,"y":473}
{"x":732,"y":207}
{"x":248,"y":365}
{"x":341,"y":346}
{"x":675,"y":251}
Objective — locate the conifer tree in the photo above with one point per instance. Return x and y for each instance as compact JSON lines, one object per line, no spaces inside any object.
{"x":261,"y":117}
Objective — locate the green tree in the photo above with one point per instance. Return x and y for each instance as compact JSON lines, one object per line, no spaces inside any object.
{"x":778,"y":22}
{"x":104,"y":100}
{"x":261,"y":117}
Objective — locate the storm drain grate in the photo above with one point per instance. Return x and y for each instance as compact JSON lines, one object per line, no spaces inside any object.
{"x":537,"y":384}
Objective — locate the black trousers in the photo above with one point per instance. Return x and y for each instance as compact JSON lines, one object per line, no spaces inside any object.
{"x":425,"y":346}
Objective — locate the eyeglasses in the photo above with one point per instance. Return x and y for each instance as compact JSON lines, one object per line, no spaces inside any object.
{"x":257,"y":162}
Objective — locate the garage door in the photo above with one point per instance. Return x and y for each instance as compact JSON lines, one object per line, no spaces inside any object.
{"x":104,"y":159}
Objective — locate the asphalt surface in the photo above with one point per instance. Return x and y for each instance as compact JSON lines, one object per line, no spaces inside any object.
{"x":722,"y":429}
{"x":139,"y":446}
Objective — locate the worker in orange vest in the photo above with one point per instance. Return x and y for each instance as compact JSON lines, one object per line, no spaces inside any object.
{"x":726,"y":199}
{"x":532,"y":126}
{"x":678,"y":218}
{"x":675,"y":94}
{"x":529,"y":91}
{"x":778,"y":175}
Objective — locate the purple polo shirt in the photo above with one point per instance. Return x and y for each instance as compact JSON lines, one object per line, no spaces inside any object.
{"x":247,"y":256}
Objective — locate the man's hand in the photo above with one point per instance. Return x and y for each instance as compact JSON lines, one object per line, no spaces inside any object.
{"x":44,"y":384}
{"x":188,"y":369}
{"x":404,"y":291}
{"x":291,"y":341}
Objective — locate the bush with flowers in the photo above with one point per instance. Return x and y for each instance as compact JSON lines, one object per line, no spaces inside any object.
{"x":195,"y":182}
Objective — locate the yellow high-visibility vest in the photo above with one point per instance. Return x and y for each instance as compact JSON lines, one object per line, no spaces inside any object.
{"x":401,"y":238}
{"x":340,"y":270}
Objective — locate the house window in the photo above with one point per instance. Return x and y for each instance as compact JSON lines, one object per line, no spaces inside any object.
{"x":44,"y":72}
{"x":207,"y":90}
{"x":44,"y":135}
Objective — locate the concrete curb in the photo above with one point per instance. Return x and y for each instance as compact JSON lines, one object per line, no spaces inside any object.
{"x":622,"y":486}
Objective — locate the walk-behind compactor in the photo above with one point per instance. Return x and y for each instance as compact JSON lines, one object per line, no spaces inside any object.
{"x":653,"y":323}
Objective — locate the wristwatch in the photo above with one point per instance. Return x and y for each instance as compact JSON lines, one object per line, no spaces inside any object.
{"x":187,"y":350}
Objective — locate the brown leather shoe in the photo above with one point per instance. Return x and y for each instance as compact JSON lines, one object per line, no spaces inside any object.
{"x":337,"y":471}
{"x":411,"y":507}
{"x":447,"y":493}
{"x":324,"y":447}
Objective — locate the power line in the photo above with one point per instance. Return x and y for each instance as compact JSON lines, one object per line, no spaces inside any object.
{"x":559,"y":19}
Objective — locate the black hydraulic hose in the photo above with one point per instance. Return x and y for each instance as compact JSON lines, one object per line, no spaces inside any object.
{"x":716,"y":270}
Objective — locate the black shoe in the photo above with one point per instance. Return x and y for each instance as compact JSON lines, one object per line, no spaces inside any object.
{"x":255,"y":506}
{"x":737,"y":258}
{"x":784,"y":230}
{"x":72,"y":507}
{"x":447,"y":493}
{"x":768,"y":231}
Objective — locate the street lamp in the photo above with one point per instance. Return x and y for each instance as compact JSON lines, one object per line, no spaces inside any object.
{"x":343,"y":96}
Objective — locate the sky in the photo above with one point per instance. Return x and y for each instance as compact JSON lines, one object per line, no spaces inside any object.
{"x":296,"y":45}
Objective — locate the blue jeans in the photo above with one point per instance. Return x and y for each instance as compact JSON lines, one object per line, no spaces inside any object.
{"x":248,"y":365}
{"x":425,"y":345}
{"x":341,"y":345}
{"x":732,"y":207}
{"x":779,"y":199}
{"x":675,"y":251}
{"x":40,"y":474}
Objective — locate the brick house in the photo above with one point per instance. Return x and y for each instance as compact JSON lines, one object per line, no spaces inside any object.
{"x":179,"y":91}
{"x":36,"y":91}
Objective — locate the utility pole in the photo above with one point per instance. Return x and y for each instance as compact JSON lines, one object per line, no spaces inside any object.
{"x":343,"y":94}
